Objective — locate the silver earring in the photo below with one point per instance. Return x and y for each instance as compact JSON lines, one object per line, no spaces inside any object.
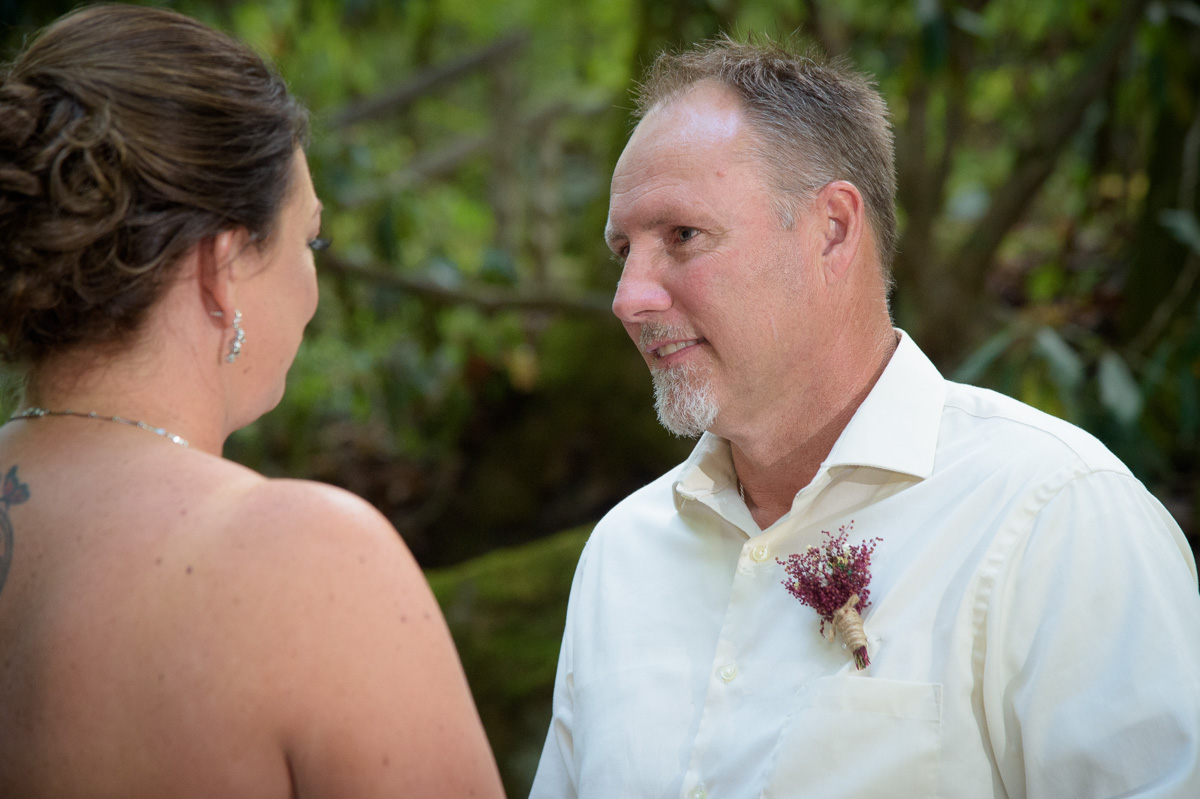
{"x":239,"y":338}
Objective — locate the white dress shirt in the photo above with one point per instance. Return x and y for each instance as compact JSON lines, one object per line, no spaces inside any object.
{"x":1034,"y":628}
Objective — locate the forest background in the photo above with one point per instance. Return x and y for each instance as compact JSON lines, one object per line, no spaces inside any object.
{"x":465,"y":375}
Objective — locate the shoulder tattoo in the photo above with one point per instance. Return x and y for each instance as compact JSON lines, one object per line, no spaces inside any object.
{"x":14,"y":493}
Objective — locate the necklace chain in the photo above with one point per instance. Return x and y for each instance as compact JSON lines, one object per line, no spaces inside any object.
{"x":37,"y":413}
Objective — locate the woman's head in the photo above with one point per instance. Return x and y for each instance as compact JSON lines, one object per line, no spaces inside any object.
{"x":128,"y":135}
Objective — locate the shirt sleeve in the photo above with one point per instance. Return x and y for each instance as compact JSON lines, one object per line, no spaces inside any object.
{"x":556,"y":777}
{"x":1091,"y":682}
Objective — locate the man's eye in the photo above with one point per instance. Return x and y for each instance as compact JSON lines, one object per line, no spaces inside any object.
{"x":318,"y":244}
{"x":686,"y":233}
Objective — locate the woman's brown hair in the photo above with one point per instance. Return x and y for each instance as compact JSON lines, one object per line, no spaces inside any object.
{"x":127,"y":136}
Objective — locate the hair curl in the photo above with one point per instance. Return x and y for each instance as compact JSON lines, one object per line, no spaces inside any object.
{"x":127,"y":136}
{"x":815,"y":121}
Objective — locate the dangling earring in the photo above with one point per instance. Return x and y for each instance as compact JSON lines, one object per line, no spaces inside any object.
{"x":239,"y":335}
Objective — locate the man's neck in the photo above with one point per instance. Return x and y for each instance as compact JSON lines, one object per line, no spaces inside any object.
{"x":774,"y":466}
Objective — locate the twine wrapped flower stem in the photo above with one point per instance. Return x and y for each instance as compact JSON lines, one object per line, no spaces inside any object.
{"x":832,"y":580}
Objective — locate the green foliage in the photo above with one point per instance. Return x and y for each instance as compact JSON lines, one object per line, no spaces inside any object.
{"x":506,"y":611}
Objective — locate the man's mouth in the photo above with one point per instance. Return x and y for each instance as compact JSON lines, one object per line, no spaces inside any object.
{"x":674,"y":347}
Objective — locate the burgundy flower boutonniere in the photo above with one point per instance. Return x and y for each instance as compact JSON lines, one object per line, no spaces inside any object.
{"x":832,"y":579}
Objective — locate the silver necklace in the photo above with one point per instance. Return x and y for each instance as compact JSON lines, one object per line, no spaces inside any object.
{"x":37,"y":413}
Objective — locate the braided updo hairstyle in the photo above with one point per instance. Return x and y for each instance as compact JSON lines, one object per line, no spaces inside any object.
{"x":127,"y":136}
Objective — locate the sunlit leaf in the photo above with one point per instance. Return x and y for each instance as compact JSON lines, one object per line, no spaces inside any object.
{"x":1119,"y":391}
{"x":1065,"y":364}
{"x":982,"y":358}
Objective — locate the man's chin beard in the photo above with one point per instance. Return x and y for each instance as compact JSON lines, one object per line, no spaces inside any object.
{"x":684,"y":400}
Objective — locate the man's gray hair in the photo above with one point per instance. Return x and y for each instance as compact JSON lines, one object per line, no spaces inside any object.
{"x":815,"y":120}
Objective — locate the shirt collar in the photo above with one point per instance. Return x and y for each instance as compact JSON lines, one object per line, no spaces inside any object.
{"x":708,"y":470}
{"x":895,"y":428}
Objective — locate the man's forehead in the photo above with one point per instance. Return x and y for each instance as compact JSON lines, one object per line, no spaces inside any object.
{"x":706,"y":110}
{"x":695,"y":130}
{"x":686,"y":137}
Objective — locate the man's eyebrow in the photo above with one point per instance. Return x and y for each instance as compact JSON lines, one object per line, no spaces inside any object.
{"x":672,"y":214}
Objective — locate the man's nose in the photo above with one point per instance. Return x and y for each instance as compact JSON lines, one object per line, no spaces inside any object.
{"x":640,"y":293}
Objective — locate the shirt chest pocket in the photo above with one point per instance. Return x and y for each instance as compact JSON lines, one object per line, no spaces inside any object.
{"x":859,"y":736}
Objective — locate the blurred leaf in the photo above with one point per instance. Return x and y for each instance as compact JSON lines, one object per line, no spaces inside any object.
{"x":1066,"y":367}
{"x":981,"y":359}
{"x":522,"y":363}
{"x":1188,"y":10}
{"x":1183,"y":226}
{"x":1119,"y":392}
{"x":444,"y":272}
{"x":971,"y":22}
{"x":1046,"y":282}
{"x":498,"y":267}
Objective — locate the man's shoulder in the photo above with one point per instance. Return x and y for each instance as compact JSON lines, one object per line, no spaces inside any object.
{"x":995,"y":426}
{"x":631,"y":535}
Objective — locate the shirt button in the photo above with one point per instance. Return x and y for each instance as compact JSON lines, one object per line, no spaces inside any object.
{"x":760,"y":553}
{"x":697,"y":793}
{"x":728,"y":672}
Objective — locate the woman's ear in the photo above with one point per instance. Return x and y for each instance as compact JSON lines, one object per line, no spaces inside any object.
{"x":221,"y":269}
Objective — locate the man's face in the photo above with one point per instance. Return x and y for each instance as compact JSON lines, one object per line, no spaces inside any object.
{"x":712,"y":290}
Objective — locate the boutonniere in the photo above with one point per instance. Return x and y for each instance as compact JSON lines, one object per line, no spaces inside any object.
{"x":832,"y":580}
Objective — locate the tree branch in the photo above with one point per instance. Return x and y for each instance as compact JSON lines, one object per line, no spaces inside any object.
{"x":422,"y":168}
{"x":397,"y":99}
{"x":1059,"y":119}
{"x":485,"y":298}
{"x":960,"y":52}
{"x":430,"y":166}
{"x":921,"y":172}
{"x":1160,"y":319}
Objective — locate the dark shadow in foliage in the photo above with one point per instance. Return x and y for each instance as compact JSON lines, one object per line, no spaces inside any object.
{"x":506,"y":611}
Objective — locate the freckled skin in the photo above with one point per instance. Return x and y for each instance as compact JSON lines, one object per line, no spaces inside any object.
{"x":206,"y":655}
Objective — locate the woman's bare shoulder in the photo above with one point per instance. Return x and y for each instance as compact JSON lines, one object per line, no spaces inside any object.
{"x":238,"y":505}
{"x":310,"y":512}
{"x":314,"y":552}
{"x":306,"y":534}
{"x":367,"y":689}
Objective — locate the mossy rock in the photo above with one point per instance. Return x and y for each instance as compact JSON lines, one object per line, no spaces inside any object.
{"x":506,"y":611}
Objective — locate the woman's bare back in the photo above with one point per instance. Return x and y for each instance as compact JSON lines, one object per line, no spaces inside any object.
{"x":175,"y":625}
{"x":119,"y":677}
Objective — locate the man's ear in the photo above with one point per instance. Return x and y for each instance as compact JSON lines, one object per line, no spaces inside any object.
{"x":840,"y":212}
{"x":221,"y":270}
